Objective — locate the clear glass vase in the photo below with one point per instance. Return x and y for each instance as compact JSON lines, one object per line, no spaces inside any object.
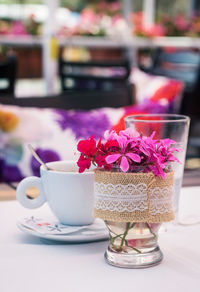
{"x":172,"y":126}
{"x":133,"y":245}
{"x":133,"y":206}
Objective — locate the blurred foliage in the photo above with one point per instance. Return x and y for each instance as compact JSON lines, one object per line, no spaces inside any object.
{"x":3,"y":51}
{"x":77,"y":5}
{"x":169,"y":7}
{"x":22,"y":1}
{"x":74,"y":5}
{"x":173,"y":7}
{"x":137,"y":5}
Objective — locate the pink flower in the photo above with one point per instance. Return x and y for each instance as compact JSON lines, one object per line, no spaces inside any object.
{"x":110,"y":135}
{"x":87,"y":147}
{"x":83,"y":163}
{"x":115,"y":6}
{"x":181,"y":22}
{"x":129,"y":151}
{"x":157,"y":170}
{"x":154,"y":30}
{"x":18,"y":28}
{"x":129,"y":133}
{"x":124,"y":156}
{"x":88,"y":17}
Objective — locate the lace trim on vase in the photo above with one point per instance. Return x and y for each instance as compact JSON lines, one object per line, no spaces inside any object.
{"x":161,"y":200}
{"x":131,"y":198}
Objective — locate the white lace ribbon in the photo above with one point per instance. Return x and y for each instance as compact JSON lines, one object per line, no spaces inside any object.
{"x":130,"y":198}
{"x":161,"y":200}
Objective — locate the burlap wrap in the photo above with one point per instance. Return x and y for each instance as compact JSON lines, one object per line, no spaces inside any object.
{"x":133,"y":197}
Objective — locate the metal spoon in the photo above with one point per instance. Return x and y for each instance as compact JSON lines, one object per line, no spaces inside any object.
{"x":30,"y":147}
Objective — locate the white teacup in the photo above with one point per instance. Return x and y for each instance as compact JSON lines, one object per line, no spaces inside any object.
{"x":69,"y":194}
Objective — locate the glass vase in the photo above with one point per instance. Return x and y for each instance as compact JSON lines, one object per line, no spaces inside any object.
{"x":171,"y":126}
{"x":133,"y":244}
{"x":133,"y":206}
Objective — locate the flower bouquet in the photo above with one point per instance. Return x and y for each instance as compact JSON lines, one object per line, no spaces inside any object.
{"x":134,"y":184}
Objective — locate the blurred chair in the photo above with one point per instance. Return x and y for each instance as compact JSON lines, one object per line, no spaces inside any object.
{"x":99,"y":76}
{"x":184,"y":65}
{"x":8,"y":69}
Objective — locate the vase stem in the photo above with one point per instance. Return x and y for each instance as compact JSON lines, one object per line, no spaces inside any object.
{"x":125,"y":234}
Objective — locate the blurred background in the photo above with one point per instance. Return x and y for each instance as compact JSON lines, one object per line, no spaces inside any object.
{"x":137,"y":56}
{"x":32,"y":28}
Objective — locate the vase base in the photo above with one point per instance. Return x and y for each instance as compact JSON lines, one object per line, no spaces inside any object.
{"x":134,"y":261}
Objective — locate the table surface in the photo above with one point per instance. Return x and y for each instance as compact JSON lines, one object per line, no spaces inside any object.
{"x":28,"y":264}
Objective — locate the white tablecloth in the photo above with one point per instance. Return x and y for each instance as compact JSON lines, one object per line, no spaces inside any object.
{"x":27,"y":264}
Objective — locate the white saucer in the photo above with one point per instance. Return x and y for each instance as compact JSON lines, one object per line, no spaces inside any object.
{"x":54,"y":231}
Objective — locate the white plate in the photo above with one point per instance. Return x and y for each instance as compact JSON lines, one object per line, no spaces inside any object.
{"x":54,"y":231}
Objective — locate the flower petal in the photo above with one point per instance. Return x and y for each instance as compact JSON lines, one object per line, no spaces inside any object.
{"x":123,"y":142}
{"x":167,"y":142}
{"x":110,"y":135}
{"x":172,"y":149}
{"x":129,"y":133}
{"x":87,"y":147}
{"x":134,"y":157}
{"x":83,"y":163}
{"x":171,"y":157}
{"x":124,"y":164}
{"x":112,"y":158}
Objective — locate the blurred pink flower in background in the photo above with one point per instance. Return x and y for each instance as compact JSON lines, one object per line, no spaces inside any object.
{"x":102,"y":5}
{"x":18,"y":28}
{"x":181,"y":22}
{"x":89,"y":16}
{"x":154,"y":30}
{"x":115,"y":7}
{"x":150,"y":31}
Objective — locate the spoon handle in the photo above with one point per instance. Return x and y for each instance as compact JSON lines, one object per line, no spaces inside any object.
{"x":37,"y":157}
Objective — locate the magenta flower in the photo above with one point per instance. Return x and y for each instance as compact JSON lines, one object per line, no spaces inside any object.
{"x":129,"y":151}
{"x":129,"y":133}
{"x":124,"y":155}
{"x":110,"y":135}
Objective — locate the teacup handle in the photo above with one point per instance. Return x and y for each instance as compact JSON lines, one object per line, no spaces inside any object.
{"x":22,"y":187}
